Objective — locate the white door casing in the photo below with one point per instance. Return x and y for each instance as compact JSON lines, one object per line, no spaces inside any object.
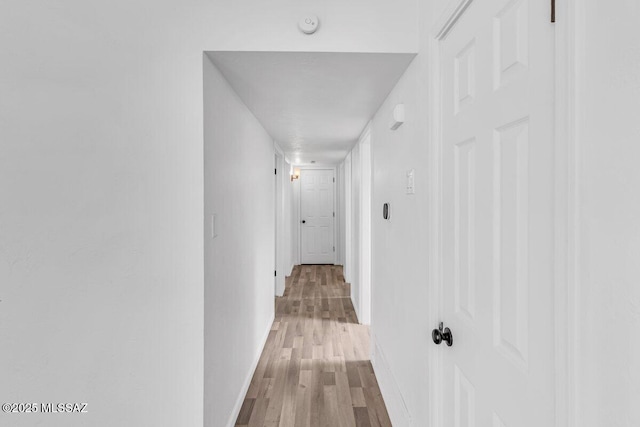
{"x":281,"y":246}
{"x":348,"y":218}
{"x":317,"y":214}
{"x":276,"y":218}
{"x":497,"y":170}
{"x":364,"y":311}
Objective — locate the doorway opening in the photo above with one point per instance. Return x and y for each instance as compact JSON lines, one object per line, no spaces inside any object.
{"x":317,"y":216}
{"x":268,"y":114}
{"x":316,"y":107}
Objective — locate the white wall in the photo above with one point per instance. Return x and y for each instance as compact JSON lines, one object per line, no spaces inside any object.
{"x":101,"y":182}
{"x":353,"y":26}
{"x":399,"y":251}
{"x":401,"y":320}
{"x":609,"y":179}
{"x":101,"y":217}
{"x":239,"y":261}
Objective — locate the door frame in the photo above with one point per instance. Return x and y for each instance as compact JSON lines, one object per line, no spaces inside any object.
{"x":569,"y":28}
{"x":279,"y":279}
{"x":336,"y":219}
{"x":365,"y":220}
{"x":348,"y":220}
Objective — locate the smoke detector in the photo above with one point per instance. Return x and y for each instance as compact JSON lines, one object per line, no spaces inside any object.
{"x":309,"y":24}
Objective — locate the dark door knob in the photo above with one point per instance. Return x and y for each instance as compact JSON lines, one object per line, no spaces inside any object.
{"x":440,"y":334}
{"x":304,"y":221}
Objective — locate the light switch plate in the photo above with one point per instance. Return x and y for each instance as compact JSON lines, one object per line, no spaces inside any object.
{"x":214,"y":231}
{"x":411,"y":181}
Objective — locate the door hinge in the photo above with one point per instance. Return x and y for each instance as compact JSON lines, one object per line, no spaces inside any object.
{"x":275,"y":171}
{"x":334,"y":214}
{"x":334,"y":180}
{"x":334,"y":249}
{"x":553,"y":10}
{"x":275,"y":273}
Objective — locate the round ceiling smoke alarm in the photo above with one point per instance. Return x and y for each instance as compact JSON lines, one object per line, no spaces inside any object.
{"x":309,"y":24}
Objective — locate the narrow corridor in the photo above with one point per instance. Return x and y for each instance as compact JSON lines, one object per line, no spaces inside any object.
{"x":315,"y":369}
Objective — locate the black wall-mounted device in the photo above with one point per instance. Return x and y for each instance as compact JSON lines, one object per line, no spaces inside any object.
{"x":386,"y":211}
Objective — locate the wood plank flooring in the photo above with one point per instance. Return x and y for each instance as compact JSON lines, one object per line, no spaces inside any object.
{"x":315,"y":369}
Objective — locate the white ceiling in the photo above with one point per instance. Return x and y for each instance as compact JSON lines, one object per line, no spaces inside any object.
{"x":315,"y":105}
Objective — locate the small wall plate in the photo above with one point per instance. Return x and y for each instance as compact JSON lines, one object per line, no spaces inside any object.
{"x":386,"y":211}
{"x":309,"y":24}
{"x":397,"y":117}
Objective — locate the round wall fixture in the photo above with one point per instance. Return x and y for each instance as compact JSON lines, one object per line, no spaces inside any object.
{"x":309,"y":24}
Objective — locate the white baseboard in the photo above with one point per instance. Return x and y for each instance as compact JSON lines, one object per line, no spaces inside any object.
{"x":356,"y":307}
{"x":247,"y":382}
{"x":389,"y":388}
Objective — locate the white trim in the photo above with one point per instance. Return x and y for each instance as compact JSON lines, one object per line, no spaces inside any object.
{"x":295,"y":200}
{"x":278,"y":149}
{"x":336,"y":216}
{"x":569,"y":32}
{"x":348,"y":219}
{"x":247,"y":381}
{"x":365,"y":226}
{"x":339,"y":216}
{"x":450,"y":17}
{"x":279,"y":279}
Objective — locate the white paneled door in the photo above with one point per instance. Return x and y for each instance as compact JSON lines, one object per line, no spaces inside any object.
{"x":317,"y":216}
{"x":497,"y":76}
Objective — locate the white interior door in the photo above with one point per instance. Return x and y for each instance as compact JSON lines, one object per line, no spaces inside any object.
{"x":497,"y":76}
{"x":317,"y":216}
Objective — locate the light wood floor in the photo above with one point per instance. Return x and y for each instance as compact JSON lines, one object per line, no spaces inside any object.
{"x":315,"y":370}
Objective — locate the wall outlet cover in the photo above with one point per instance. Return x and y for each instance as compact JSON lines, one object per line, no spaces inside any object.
{"x":214,"y":231}
{"x":411,"y":189}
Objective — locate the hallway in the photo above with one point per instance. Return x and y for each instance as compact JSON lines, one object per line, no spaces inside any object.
{"x":315,"y":368}
{"x":442,"y":196}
